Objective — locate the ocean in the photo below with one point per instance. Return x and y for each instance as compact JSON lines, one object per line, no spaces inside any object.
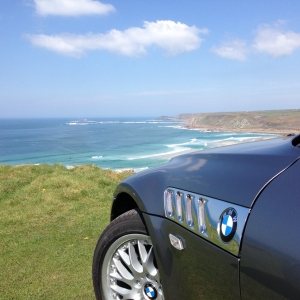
{"x":110,"y":143}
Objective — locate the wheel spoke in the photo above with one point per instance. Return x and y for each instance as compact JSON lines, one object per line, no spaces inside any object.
{"x":134,"y":259}
{"x":120,"y":290}
{"x":142,"y":251}
{"x":122,"y":270}
{"x":116,"y":275}
{"x":149,"y":263}
{"x":132,"y":295}
{"x":124,"y":256}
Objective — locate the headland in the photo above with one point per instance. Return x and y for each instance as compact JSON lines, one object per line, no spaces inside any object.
{"x":282,"y":122}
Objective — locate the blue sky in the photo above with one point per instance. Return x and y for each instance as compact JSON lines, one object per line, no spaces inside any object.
{"x":86,"y":58}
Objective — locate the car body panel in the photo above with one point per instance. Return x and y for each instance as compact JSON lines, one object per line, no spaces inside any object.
{"x":234,"y":174}
{"x":270,"y":260}
{"x":262,"y":179}
{"x":200,"y":271}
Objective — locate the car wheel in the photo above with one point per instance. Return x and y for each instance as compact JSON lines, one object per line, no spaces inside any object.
{"x":124,"y":265}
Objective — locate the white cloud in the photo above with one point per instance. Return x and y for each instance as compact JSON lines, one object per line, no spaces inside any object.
{"x":72,"y":7}
{"x":275,"y":41}
{"x":174,"y":38}
{"x":235,"y":49}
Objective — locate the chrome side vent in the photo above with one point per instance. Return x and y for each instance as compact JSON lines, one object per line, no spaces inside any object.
{"x":201,"y":215}
{"x":169,"y":204}
{"x":179,"y":212}
{"x":186,"y":208}
{"x":189,"y":213}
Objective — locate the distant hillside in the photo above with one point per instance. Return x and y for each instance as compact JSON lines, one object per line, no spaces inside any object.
{"x":269,"y":121}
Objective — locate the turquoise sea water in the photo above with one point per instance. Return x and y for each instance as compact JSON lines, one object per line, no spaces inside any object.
{"x":109,"y":143}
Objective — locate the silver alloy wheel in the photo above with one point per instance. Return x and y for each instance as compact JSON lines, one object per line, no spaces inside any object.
{"x":129,"y":271}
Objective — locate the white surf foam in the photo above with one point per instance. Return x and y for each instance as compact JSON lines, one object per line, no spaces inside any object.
{"x":192,"y":141}
{"x":171,"y":126}
{"x":135,"y":170}
{"x":77,"y":123}
{"x":163,"y":154}
{"x":131,"y":122}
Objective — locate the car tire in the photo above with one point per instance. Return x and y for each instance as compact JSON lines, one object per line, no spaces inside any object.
{"x":124,"y":265}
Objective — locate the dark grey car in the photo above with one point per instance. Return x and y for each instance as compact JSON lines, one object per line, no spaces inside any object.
{"x":216,"y":224}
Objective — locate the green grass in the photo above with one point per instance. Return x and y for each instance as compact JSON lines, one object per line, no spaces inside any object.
{"x":50,"y":221}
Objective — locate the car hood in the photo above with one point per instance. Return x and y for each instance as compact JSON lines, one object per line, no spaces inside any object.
{"x":235,"y":174}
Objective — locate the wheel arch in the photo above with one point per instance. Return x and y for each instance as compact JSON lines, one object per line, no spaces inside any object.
{"x":125,"y":199}
{"x":122,"y":203}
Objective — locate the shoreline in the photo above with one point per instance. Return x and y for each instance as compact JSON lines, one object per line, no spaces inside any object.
{"x":216,"y":144}
{"x":281,"y":132}
{"x":168,"y":156}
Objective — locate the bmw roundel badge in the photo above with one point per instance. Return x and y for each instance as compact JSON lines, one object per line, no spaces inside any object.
{"x":227,"y":225}
{"x":150,"y":291}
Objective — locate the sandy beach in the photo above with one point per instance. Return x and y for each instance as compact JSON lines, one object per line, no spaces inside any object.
{"x":246,"y":130}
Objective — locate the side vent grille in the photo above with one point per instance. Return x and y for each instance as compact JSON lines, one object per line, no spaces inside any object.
{"x":202,"y":215}
{"x":179,"y":206}
{"x":186,"y":209}
{"x":169,"y":203}
{"x":189,"y":216}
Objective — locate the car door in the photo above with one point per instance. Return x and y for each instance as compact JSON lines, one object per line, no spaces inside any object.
{"x":270,"y":255}
{"x":200,"y":271}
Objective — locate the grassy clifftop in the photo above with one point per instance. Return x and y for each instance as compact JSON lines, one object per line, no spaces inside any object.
{"x":271,"y":121}
{"x":50,"y":220}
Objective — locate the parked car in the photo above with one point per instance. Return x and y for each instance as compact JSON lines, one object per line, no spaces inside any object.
{"x":217,"y":224}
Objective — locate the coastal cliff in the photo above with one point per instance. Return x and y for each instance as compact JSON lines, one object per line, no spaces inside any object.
{"x":270,"y":121}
